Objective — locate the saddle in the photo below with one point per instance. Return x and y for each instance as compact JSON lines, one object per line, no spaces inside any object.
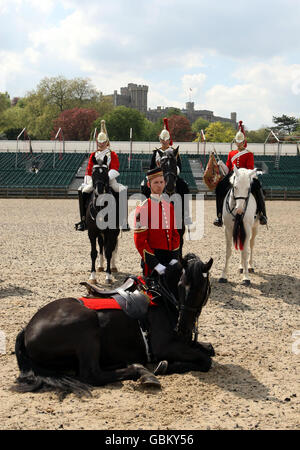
{"x":135,"y":304}
{"x":94,"y":290}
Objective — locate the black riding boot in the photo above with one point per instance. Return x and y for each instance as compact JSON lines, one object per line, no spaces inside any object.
{"x":218,"y":222}
{"x":82,"y":197}
{"x":260,"y":201}
{"x":221,"y":191}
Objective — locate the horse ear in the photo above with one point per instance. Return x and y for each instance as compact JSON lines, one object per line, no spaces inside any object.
{"x":206,"y":267}
{"x":175,"y":151}
{"x":253,"y":173}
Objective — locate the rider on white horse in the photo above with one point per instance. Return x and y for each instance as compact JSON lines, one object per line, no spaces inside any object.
{"x":241,"y":158}
{"x":103,"y":150}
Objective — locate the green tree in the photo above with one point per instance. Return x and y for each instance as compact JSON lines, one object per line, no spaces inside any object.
{"x":119,"y":122}
{"x":220,"y":132}
{"x":66,"y":94}
{"x":4,"y":101}
{"x":257,"y":135}
{"x":285,"y":124}
{"x":200,"y":124}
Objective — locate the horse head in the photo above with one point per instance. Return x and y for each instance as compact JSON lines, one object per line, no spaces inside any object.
{"x":168,"y":163}
{"x":193,"y":292}
{"x":241,"y":187}
{"x":100,"y":176}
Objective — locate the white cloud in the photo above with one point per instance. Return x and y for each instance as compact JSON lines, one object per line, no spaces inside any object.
{"x":263,"y":90}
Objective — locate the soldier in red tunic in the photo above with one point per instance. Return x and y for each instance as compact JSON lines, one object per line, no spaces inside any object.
{"x":155,"y":234}
{"x":103,"y":149}
{"x":241,"y":158}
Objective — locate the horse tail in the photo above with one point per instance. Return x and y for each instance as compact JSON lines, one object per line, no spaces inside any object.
{"x":239,"y":234}
{"x":32,"y":377}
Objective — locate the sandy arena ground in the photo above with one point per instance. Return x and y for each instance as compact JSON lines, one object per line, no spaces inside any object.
{"x":254,"y":380}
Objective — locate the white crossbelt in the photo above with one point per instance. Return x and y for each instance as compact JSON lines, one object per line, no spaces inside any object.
{"x":237,"y":155}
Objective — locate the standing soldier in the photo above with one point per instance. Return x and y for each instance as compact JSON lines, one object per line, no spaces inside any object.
{"x":241,"y":158}
{"x":103,"y":149}
{"x":155,"y":235}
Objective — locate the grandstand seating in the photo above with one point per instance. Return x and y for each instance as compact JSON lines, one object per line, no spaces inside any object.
{"x":58,"y":171}
{"x":139,"y":164}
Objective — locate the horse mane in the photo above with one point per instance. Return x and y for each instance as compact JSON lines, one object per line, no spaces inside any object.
{"x":193,"y":266}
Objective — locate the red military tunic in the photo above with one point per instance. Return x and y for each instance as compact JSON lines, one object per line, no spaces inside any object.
{"x":244,"y":159}
{"x":112,"y":161}
{"x":155,"y":233}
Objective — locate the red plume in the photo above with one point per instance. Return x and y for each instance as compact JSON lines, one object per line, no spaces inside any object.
{"x":241,"y":128}
{"x":166,"y":124}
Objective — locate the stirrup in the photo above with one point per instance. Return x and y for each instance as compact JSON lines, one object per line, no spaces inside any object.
{"x":218,"y":222}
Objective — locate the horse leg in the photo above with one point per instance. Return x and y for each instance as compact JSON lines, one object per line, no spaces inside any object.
{"x":244,"y":261}
{"x":228,"y":235}
{"x":94,"y":254}
{"x":101,"y":258}
{"x":113,"y":260}
{"x":252,"y":240}
{"x":91,"y":373}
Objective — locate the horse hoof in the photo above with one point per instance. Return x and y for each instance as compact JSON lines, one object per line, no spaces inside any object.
{"x":251,"y":270}
{"x":100,"y":269}
{"x":241,"y":270}
{"x":108,"y":281}
{"x":222,"y":280}
{"x":150,"y":381}
{"x":246,"y":283}
{"x":114,"y":269}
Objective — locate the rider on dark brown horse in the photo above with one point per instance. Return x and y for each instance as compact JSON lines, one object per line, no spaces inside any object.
{"x":166,"y":143}
{"x":241,"y":158}
{"x":155,"y":234}
{"x":84,"y":191}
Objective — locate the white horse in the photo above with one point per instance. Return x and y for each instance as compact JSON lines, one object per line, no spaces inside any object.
{"x":241,"y":223}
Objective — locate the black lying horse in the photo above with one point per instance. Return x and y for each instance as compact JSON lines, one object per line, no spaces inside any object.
{"x":176,"y":188}
{"x":102,"y":219}
{"x":68,"y":346}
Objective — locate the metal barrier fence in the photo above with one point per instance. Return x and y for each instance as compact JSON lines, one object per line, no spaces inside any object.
{"x":143,"y":147}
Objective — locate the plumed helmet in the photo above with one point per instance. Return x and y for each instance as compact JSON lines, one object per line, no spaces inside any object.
{"x":102,"y":136}
{"x":165,"y":133}
{"x":240,"y":135}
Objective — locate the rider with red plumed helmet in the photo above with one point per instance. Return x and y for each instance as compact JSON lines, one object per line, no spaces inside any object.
{"x":241,"y":158}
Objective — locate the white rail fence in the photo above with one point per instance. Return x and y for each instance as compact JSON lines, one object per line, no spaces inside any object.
{"x":142,"y":147}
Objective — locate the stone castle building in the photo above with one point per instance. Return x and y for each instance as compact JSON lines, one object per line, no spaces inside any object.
{"x":135,"y":96}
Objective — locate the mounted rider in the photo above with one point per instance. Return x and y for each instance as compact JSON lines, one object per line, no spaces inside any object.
{"x":155,"y":234}
{"x":166,"y":144}
{"x":241,"y":158}
{"x":84,"y":191}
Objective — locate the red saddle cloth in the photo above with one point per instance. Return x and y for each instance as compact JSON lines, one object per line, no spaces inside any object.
{"x":99,"y":303}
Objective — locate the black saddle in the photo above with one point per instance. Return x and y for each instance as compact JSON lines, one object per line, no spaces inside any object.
{"x":134,"y":304}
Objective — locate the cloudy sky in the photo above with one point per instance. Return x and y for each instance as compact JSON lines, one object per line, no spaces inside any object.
{"x":227,"y":56}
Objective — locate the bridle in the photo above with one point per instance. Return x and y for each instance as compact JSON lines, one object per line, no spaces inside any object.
{"x":246,"y":199}
{"x":170,"y":172}
{"x":183,"y":307}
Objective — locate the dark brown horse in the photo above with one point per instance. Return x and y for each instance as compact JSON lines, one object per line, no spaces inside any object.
{"x":68,"y":346}
{"x":102,"y":219}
